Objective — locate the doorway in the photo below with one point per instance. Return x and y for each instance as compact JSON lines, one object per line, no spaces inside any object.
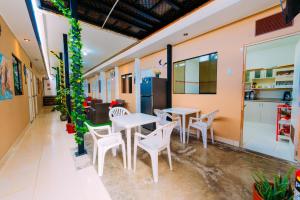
{"x":271,"y":96}
{"x":30,"y":92}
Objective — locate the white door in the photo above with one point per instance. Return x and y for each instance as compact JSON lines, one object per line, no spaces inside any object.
{"x":30,"y":95}
{"x":35,"y":94}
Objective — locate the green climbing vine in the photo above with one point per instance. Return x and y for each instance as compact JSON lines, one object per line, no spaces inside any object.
{"x":61,"y":105}
{"x":76,"y":78}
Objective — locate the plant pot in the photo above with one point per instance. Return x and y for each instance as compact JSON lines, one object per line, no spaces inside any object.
{"x":63,"y":117}
{"x":70,"y":128}
{"x":256,"y":195}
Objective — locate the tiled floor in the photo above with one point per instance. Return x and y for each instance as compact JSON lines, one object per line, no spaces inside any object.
{"x":43,"y":167}
{"x":261,"y":138}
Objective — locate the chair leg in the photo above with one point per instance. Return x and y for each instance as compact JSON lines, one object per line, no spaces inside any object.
{"x":101,"y":156}
{"x":95,"y":153}
{"x":124,"y":154}
{"x":180,"y":131}
{"x":114,"y":151}
{"x":169,"y":157}
{"x":134,"y":154}
{"x":212,"y":135}
{"x":154,"y":161}
{"x":204,"y":137}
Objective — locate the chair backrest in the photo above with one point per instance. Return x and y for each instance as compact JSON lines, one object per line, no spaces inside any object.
{"x":94,"y":134}
{"x":118,"y":111}
{"x":210,"y":117}
{"x":160,"y":114}
{"x":163,"y":134}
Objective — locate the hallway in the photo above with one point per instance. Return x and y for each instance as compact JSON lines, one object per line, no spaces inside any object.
{"x":42,"y":167}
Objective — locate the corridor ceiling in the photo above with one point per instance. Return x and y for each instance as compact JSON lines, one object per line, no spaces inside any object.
{"x":133,"y":18}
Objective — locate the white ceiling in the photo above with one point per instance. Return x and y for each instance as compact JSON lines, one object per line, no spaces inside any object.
{"x":213,"y":15}
{"x":98,"y":44}
{"x":16,"y":15}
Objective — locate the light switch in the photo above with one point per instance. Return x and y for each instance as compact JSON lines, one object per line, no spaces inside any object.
{"x":229,"y":71}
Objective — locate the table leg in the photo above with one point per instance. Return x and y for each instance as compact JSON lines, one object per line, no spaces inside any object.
{"x":128,"y":136}
{"x":183,"y":129}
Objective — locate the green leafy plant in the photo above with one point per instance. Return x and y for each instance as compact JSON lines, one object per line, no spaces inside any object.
{"x":77,"y":91}
{"x":280,"y":189}
{"x":61,"y":105}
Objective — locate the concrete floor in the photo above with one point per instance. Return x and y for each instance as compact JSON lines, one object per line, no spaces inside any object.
{"x":218,"y":172}
{"x":42,"y":166}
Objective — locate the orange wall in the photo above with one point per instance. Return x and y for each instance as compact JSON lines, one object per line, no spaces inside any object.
{"x":14,"y":113}
{"x":229,"y":42}
{"x":129,"y":98}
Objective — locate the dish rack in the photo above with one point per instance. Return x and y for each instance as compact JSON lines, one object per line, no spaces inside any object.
{"x":283,"y":122}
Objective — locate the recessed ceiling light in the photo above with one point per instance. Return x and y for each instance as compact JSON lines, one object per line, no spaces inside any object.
{"x":185,"y":34}
{"x":26,"y":40}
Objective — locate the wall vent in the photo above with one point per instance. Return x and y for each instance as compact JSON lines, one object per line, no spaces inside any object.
{"x":270,"y":24}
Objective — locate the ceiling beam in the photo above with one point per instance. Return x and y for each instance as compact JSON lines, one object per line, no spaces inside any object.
{"x":141,"y":11}
{"x":172,"y":3}
{"x":118,"y":15}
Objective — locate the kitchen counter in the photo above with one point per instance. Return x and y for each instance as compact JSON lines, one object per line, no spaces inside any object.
{"x":269,"y":100}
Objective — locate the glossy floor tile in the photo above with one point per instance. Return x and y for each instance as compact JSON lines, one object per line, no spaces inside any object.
{"x":261,"y":138}
{"x":43,"y":166}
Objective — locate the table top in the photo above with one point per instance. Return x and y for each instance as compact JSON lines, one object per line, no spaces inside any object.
{"x":134,"y":119}
{"x":182,"y":111}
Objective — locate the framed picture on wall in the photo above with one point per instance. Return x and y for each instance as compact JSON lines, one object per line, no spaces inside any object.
{"x":17,"y":71}
{"x":25,"y":73}
{"x":5,"y":79}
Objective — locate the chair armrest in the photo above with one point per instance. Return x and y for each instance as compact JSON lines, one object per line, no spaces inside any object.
{"x":195,"y":119}
{"x":139,"y":135}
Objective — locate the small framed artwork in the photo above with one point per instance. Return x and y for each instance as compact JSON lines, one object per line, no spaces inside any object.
{"x":17,"y":72}
{"x":5,"y":79}
{"x":25,"y":73}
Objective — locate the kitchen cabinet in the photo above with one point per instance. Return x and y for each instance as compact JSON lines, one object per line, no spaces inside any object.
{"x":260,"y":112}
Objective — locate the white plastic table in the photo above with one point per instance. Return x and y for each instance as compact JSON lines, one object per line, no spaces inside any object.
{"x":131,"y":121}
{"x":183,"y":112}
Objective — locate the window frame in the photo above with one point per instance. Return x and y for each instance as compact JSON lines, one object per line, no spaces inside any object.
{"x":125,"y":88}
{"x":173,"y":75}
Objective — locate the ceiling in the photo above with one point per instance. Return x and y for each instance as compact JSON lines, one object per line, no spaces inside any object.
{"x":134,"y":18}
{"x":20,"y":24}
{"x":209,"y":17}
{"x":98,"y":44}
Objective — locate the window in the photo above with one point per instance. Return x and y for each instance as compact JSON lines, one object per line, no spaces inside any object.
{"x":196,"y":75}
{"x":126,"y":81}
{"x":17,"y":68}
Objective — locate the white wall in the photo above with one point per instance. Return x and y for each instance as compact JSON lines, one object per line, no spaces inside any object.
{"x":275,"y":53}
{"x":50,"y":87}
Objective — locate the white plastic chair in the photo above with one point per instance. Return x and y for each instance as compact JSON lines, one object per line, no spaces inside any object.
{"x":163,"y":120}
{"x":104,"y":142}
{"x":154,"y":143}
{"x":203,"y":124}
{"x":117,"y":111}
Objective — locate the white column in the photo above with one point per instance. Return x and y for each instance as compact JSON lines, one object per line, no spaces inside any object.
{"x":103,"y":86}
{"x":137,"y":77}
{"x":117,"y":96}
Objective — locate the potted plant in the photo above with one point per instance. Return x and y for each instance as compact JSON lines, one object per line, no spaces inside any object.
{"x":279,"y":189}
{"x":157,"y":73}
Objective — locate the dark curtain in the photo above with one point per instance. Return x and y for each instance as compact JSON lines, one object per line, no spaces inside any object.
{"x":292,"y":9}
